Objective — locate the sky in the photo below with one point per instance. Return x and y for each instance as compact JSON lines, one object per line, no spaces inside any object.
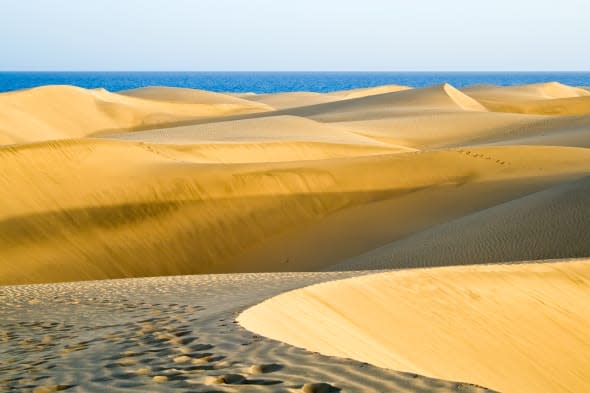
{"x":295,"y":35}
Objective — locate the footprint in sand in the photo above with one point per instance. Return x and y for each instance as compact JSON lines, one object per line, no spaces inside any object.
{"x":263,"y":368}
{"x":160,"y":378}
{"x":228,"y":379}
{"x":51,"y":388}
{"x":319,"y":388}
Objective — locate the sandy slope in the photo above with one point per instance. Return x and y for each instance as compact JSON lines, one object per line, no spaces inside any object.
{"x":154,"y":203}
{"x":275,"y":191}
{"x":172,"y":334}
{"x":537,"y":91}
{"x":393,"y":104}
{"x":299,"y":99}
{"x":558,"y":106}
{"x":187,"y":96}
{"x":549,"y":224}
{"x":291,"y":100}
{"x":263,"y":129}
{"x":164,"y":181}
{"x":514,"y":328}
{"x":543,"y":99}
{"x":56,"y":112}
{"x":369,"y":91}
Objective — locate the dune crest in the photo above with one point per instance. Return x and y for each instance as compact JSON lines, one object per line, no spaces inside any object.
{"x":462,"y":99}
{"x":187,"y":96}
{"x":368,"y":91}
{"x":507,"y":327}
{"x":535,"y":91}
{"x":57,"y":112}
{"x":280,"y":101}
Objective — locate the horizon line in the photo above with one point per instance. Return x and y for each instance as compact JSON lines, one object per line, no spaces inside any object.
{"x":305,"y":71}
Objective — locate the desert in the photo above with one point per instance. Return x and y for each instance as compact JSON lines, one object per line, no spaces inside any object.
{"x":391,"y":238}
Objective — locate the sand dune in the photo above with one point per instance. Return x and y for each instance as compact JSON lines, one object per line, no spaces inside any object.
{"x":540,"y":130}
{"x":549,"y":224}
{"x":263,"y":129}
{"x":265,"y":139}
{"x":154,"y":203}
{"x":172,"y":334}
{"x":514,"y":328}
{"x":558,"y":106}
{"x":298,"y":99}
{"x":291,"y":100}
{"x":164,"y":181}
{"x":57,"y":112}
{"x":368,"y":91}
{"x":532,"y":92}
{"x":543,"y":99}
{"x":437,"y":98}
{"x":248,"y":193}
{"x":187,"y":96}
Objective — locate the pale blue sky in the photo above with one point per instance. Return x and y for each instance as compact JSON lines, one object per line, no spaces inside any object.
{"x":294,"y":35}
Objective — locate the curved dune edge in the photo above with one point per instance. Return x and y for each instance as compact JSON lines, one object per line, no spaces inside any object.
{"x":58,"y":112}
{"x":513,"y":328}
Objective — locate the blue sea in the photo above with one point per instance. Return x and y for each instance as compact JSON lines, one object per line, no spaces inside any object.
{"x":271,"y":82}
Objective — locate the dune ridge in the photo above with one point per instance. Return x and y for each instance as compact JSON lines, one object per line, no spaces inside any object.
{"x":57,"y":112}
{"x":507,"y":327}
{"x":146,"y":196}
{"x":549,"y":224}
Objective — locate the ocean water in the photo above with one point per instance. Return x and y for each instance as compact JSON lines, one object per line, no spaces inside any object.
{"x":271,"y":82}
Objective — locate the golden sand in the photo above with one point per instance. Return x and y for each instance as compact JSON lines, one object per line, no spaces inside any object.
{"x":164,"y":181}
{"x":302,"y":188}
{"x":512,"y":328}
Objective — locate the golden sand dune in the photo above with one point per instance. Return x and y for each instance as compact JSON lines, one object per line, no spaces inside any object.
{"x":539,"y":130}
{"x":549,"y":224}
{"x":514,"y":328}
{"x":276,"y":190}
{"x":291,"y":100}
{"x":164,"y":181}
{"x":188,"y":96}
{"x":468,"y":128}
{"x":170,"y":335}
{"x":298,"y":99}
{"x":430,"y":99}
{"x":532,"y":92}
{"x":445,"y":129}
{"x":542,"y":99}
{"x":57,"y":112}
{"x":262,"y":129}
{"x":558,"y":106}
{"x":155,"y":209}
{"x":369,"y":91}
{"x":265,"y":139}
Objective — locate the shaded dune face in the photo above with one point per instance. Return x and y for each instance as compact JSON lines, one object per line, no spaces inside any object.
{"x":151,"y":204}
{"x":232,"y":184}
{"x":549,"y":224}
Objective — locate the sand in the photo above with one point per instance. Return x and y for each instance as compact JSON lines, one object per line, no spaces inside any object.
{"x":162,"y":181}
{"x":171,"y":334}
{"x":57,"y":112}
{"x":301,"y":99}
{"x":513,"y":328}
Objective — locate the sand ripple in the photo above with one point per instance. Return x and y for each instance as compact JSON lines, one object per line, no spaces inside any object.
{"x":170,"y":334}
